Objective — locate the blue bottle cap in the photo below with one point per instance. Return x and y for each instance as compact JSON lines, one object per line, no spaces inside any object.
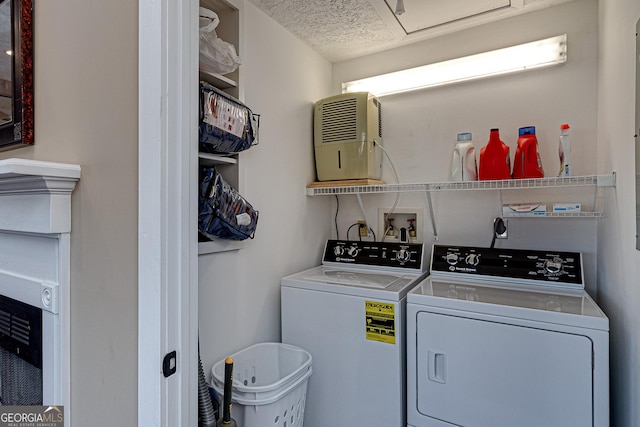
{"x":527,"y":130}
{"x":464,"y":136}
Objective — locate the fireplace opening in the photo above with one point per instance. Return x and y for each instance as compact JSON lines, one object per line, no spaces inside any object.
{"x":20,"y":353}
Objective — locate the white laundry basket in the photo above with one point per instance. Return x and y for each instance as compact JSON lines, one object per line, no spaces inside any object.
{"x":269,"y":384}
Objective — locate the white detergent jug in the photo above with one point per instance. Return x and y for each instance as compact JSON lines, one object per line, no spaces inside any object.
{"x":463,"y":164}
{"x":564,"y":151}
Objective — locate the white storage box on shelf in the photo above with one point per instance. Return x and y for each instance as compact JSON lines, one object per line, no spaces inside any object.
{"x":269,"y":384}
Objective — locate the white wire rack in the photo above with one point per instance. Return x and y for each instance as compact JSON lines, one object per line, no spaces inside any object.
{"x":557,"y":215}
{"x":325,"y":189}
{"x":507,"y":184}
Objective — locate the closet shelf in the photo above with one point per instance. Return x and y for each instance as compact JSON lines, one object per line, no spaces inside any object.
{"x":216,"y":159}
{"x":219,"y":245}
{"x":229,"y":29}
{"x":217,"y":80}
{"x":507,"y":184}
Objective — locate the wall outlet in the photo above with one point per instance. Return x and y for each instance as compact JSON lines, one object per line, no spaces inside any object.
{"x":390,"y":226}
{"x":363,"y":230}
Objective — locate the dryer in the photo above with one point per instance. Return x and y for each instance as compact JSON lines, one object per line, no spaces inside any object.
{"x":349,"y":313}
{"x":502,"y":338}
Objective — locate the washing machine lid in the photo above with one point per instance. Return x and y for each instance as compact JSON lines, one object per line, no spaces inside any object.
{"x":354,"y":281}
{"x":567,"y":307}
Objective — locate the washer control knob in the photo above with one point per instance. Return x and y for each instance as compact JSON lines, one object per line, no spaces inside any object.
{"x":553,"y":266}
{"x":452,"y":258}
{"x":472,"y":259}
{"x":403,"y":255}
{"x":338,"y":250}
{"x":353,"y":251}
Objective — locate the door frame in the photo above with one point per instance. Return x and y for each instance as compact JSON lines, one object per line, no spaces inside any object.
{"x":167,"y":212}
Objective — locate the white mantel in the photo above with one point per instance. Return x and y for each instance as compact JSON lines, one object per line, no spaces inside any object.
{"x":36,"y":195}
{"x":35,"y":227}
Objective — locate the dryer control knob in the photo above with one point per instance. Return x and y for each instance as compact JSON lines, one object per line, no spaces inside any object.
{"x":452,"y":259}
{"x":553,"y":266}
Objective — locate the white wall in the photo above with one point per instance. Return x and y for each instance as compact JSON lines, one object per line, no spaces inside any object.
{"x":419,"y":128}
{"x":240,"y":291}
{"x":86,"y":113}
{"x":618,"y":261}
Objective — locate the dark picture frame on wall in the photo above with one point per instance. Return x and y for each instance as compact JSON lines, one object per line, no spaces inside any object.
{"x":16,"y":74}
{"x":637,"y":134}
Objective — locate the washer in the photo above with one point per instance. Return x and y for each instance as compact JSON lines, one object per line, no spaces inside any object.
{"x":349,"y":313}
{"x":502,"y":338}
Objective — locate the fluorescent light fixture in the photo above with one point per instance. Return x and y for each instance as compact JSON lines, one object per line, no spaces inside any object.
{"x":541,"y":53}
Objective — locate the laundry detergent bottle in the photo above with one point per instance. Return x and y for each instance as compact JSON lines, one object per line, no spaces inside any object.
{"x":495,"y":162}
{"x":527,"y":163}
{"x":463,"y":163}
{"x":564,"y":151}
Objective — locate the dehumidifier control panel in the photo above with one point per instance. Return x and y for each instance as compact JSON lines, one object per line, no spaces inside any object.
{"x":381,"y":254}
{"x":517,"y":264}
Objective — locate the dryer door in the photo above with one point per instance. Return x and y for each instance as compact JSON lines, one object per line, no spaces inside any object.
{"x":481,"y":373}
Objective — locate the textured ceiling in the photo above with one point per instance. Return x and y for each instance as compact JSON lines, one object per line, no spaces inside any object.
{"x":336,"y":29}
{"x":344,"y":29}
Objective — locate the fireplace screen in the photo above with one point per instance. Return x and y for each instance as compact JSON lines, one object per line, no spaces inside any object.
{"x":20,"y":353}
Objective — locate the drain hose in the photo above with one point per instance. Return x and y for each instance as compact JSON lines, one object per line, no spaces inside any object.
{"x":205,"y":407}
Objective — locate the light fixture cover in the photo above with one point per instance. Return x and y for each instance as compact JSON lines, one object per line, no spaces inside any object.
{"x":400,"y":7}
{"x":536,"y":54}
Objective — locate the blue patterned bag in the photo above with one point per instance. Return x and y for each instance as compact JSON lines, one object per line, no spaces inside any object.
{"x":223,"y":212}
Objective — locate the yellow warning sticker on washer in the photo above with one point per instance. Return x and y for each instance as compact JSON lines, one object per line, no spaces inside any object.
{"x":381,"y":321}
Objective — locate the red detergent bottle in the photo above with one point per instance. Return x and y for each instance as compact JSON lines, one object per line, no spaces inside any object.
{"x":495,"y":163}
{"x":526,"y":163}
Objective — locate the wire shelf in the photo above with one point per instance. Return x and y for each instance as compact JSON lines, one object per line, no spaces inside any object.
{"x":557,"y":215}
{"x":507,"y":184}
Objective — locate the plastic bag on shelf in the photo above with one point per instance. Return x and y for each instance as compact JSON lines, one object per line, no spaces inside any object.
{"x":227,"y":126}
{"x":216,"y":55}
{"x":223,"y":212}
